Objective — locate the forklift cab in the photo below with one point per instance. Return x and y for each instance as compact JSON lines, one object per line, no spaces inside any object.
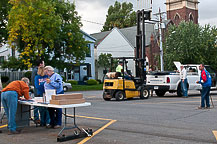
{"x":121,"y":85}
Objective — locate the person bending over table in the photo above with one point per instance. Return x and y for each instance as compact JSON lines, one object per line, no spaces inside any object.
{"x":54,"y":82}
{"x":10,"y":95}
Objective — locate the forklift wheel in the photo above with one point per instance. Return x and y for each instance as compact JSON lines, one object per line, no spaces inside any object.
{"x":119,"y":96}
{"x":144,"y":94}
{"x":105,"y":98}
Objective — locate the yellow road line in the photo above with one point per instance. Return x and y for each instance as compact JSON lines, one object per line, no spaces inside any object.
{"x":91,"y":117}
{"x":99,"y":130}
{"x":3,"y":126}
{"x":215,"y":134}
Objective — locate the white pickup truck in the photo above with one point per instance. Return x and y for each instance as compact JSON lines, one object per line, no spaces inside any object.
{"x":162,"y":82}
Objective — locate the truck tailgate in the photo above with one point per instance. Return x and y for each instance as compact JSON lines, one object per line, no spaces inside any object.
{"x":156,"y":79}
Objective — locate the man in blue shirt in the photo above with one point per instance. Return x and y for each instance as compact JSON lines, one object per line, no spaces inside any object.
{"x":206,"y":82}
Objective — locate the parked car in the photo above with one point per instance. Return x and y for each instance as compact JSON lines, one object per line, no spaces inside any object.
{"x":66,"y":86}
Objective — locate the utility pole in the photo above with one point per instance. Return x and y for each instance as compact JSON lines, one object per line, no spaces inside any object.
{"x":161,"y":47}
{"x":160,"y":39}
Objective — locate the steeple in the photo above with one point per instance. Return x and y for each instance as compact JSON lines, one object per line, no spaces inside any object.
{"x":182,"y":10}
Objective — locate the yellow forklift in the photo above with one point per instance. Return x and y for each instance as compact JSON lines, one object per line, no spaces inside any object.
{"x":118,"y":86}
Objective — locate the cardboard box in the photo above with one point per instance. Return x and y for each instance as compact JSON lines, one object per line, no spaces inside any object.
{"x":67,"y":101}
{"x":67,"y":96}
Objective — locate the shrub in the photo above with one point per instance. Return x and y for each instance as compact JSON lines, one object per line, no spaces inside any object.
{"x":92,"y":82}
{"x":64,"y":79}
{"x":72,"y":82}
{"x":99,"y":81}
{"x":85,"y":78}
{"x":28,"y":74}
{"x":4,"y":79}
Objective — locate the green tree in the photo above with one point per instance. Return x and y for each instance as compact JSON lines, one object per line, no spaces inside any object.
{"x":13,"y":64}
{"x":31,"y":25}
{"x":4,"y":10}
{"x":105,"y":62}
{"x":120,"y":15}
{"x":70,"y":43}
{"x":190,"y":43}
{"x":48,"y":28}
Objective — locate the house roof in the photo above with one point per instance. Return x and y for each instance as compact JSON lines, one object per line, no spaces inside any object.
{"x":84,"y":33}
{"x":128,"y":33}
{"x":100,"y":36}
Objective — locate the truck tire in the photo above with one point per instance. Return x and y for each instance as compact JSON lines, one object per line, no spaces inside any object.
{"x":119,"y":95}
{"x":144,"y":93}
{"x":179,"y":91}
{"x":105,"y":98}
{"x":160,"y":93}
{"x":65,"y":89}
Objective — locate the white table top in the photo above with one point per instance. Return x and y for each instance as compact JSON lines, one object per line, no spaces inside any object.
{"x":33,"y":103}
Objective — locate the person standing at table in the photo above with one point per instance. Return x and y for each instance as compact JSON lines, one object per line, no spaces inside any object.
{"x":54,"y":81}
{"x":40,"y":79}
{"x":10,"y":95}
{"x":39,"y":63}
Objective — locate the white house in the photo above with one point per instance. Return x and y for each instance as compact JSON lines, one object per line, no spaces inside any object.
{"x":120,"y":43}
{"x":87,"y":69}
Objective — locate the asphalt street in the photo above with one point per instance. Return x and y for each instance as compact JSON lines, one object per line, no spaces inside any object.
{"x":157,"y":120}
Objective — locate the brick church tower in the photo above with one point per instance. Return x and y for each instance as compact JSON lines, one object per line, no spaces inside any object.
{"x":182,"y":10}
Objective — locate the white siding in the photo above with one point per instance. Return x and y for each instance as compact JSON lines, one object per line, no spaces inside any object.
{"x":118,"y":46}
{"x":6,"y":51}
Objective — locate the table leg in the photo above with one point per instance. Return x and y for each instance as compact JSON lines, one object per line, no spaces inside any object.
{"x":77,"y":134}
{"x":65,"y":123}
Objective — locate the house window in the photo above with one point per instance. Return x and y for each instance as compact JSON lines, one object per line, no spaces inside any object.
{"x":177,"y":17}
{"x":1,"y":59}
{"x":89,"y":51}
{"x":191,"y":17}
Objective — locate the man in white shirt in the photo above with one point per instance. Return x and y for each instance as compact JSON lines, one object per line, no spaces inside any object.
{"x":183,"y":77}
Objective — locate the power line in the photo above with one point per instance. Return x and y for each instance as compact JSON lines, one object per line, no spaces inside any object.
{"x":92,"y":22}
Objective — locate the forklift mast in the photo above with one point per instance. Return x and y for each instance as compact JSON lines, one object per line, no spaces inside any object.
{"x":140,"y":44}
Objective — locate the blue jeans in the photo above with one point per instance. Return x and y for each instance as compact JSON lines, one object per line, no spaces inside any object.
{"x":36,"y":114}
{"x":205,"y":96}
{"x":9,"y":101}
{"x":184,"y":87}
{"x":44,"y":116}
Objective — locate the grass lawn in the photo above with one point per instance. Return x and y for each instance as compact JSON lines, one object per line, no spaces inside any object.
{"x":86,"y":87}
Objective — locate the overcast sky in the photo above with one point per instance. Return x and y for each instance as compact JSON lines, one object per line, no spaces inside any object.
{"x":95,"y":11}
